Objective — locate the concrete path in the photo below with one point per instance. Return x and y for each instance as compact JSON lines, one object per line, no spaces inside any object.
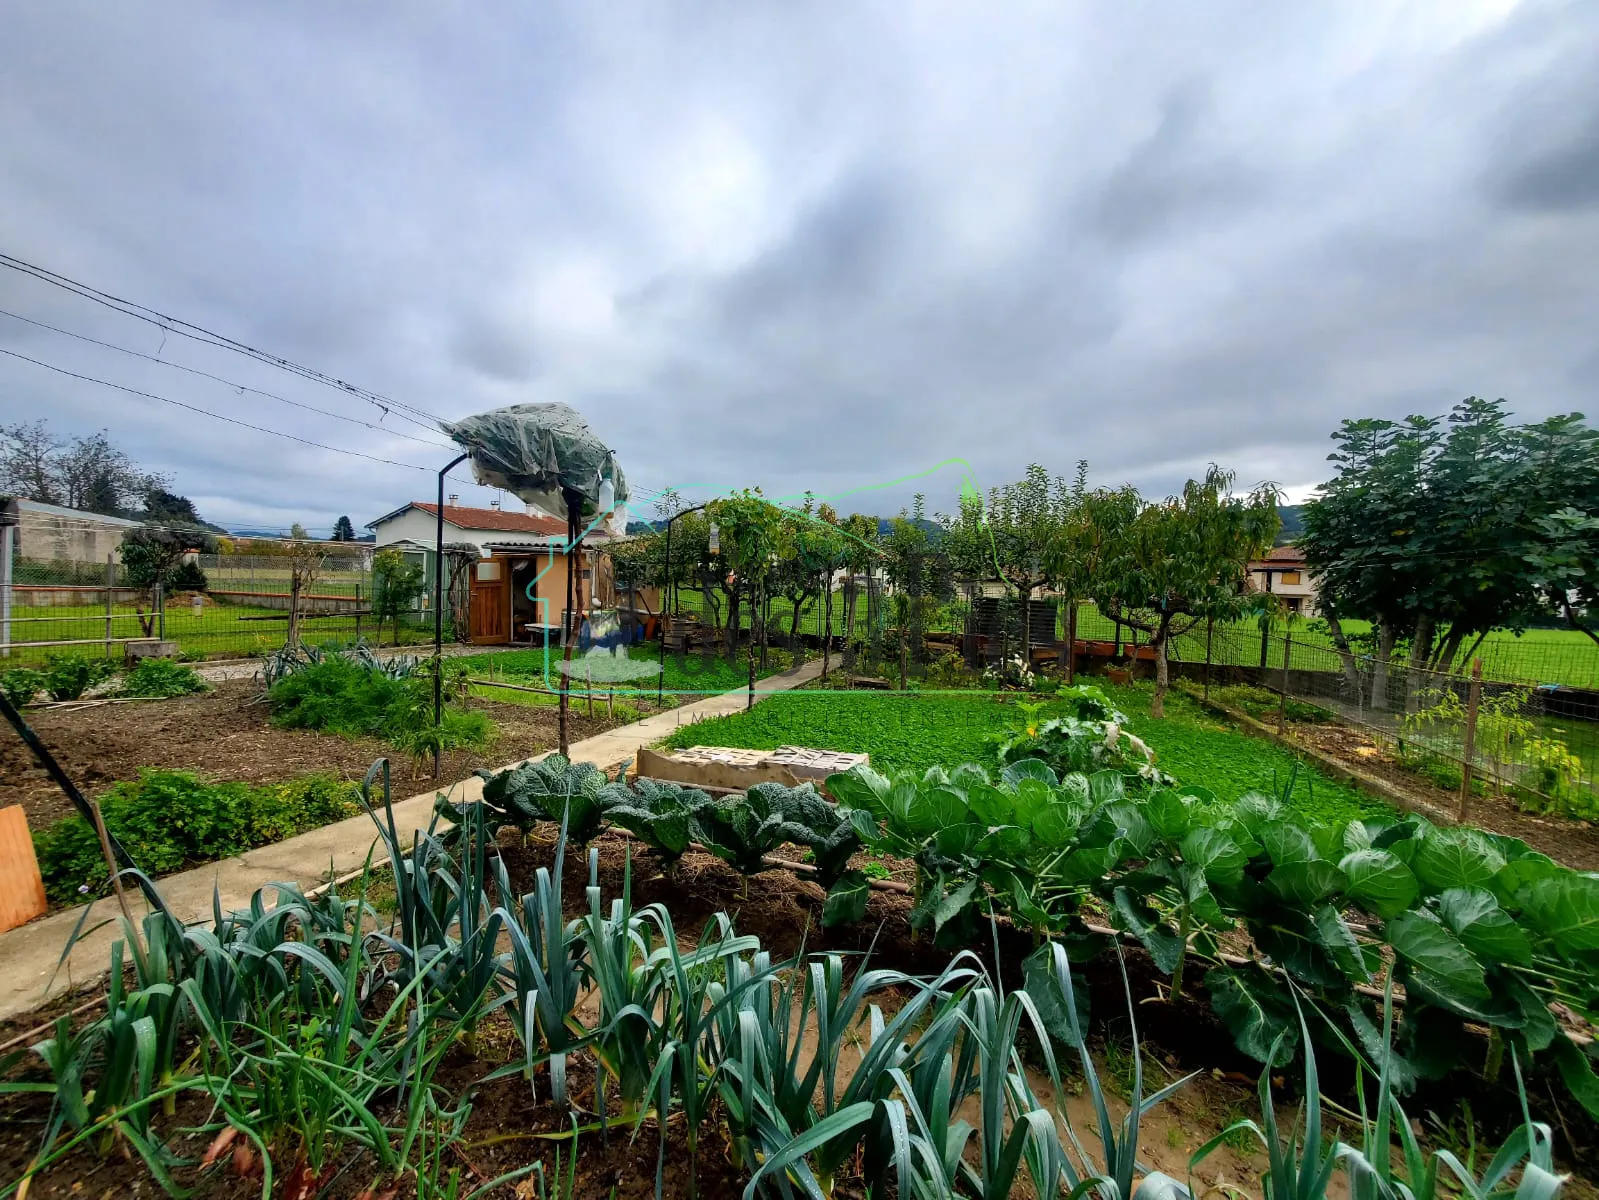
{"x":29,"y":954}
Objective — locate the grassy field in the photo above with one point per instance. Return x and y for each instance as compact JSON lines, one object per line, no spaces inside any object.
{"x":916,"y":732}
{"x":688,"y":675}
{"x":216,"y":631}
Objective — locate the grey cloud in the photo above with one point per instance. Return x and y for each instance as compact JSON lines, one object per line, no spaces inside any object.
{"x":760,"y":248}
{"x":1171,"y":178}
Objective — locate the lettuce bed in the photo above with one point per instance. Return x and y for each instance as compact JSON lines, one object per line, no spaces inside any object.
{"x":907,"y":731}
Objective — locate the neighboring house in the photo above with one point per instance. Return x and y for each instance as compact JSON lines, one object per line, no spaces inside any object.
{"x":1282,"y":573}
{"x":48,"y":531}
{"x":519,"y":582}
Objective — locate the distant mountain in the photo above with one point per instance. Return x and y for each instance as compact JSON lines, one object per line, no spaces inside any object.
{"x":1293,"y":525}
{"x":323,"y":534}
{"x":885,"y":525}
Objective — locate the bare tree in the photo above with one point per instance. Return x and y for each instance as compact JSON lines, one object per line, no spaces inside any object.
{"x":29,"y":458}
{"x":305,"y":564}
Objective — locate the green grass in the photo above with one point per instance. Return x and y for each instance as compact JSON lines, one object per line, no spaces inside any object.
{"x":914,"y":732}
{"x":1561,"y":656}
{"x":689,"y":673}
{"x":217,"y":631}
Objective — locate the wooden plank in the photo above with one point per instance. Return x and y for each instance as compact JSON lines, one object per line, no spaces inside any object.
{"x":21,"y":886}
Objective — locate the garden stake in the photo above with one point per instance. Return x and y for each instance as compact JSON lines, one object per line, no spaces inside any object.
{"x":1282,"y":701}
{"x":1468,"y":751}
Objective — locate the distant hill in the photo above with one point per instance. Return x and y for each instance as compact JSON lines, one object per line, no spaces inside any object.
{"x":885,"y":525}
{"x":1293,"y":526}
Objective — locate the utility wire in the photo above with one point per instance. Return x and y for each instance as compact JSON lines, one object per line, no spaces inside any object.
{"x":240,"y":387}
{"x":209,"y":337}
{"x":389,"y":462}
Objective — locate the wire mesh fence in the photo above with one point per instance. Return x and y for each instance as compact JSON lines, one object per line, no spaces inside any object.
{"x":57,"y":606}
{"x":1472,"y":730}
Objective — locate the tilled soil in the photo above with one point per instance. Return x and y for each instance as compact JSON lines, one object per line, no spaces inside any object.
{"x":1574,"y":843}
{"x":227,"y":734}
{"x":509,"y":1128}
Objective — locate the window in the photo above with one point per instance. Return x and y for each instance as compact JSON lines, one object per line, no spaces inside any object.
{"x":488,"y":572}
{"x":1290,"y":577}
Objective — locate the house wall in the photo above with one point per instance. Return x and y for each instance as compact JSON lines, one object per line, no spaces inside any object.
{"x":1304,"y":591}
{"x":73,"y":539}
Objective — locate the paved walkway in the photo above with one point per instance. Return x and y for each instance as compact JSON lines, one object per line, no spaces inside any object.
{"x":29,"y":954}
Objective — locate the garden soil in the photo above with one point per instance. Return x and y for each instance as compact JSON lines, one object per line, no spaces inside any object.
{"x":1571,"y":842}
{"x":227,"y":734}
{"x":510,"y":1128}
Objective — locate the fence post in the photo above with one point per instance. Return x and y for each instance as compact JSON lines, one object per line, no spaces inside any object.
{"x":1210,"y":631}
{"x":110,"y":591}
{"x":160,"y":610}
{"x":7,"y":533}
{"x":1282,"y":700}
{"x":1473,"y":698}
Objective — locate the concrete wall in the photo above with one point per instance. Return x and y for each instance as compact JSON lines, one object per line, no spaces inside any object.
{"x":75,"y":539}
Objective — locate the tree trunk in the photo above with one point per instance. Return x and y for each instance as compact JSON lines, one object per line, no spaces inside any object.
{"x":1420,"y":649}
{"x":1157,"y":641}
{"x":294,"y":609}
{"x":1387,"y":635}
{"x":1445,"y":658}
{"x":827,"y":626}
{"x":1346,"y":656}
{"x":732,"y":625}
{"x":1071,"y":643}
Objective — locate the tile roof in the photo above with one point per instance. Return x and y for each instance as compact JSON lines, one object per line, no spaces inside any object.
{"x":1283,"y":555}
{"x":497,"y":519}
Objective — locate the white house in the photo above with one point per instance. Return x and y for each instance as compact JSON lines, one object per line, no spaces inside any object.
{"x":519,"y":586}
{"x":417,"y":523}
{"x":1282,"y":572}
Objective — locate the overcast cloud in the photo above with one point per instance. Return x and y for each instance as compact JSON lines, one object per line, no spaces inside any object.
{"x":800,"y":246}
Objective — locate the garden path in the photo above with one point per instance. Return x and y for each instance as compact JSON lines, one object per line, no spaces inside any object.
{"x":29,"y":954}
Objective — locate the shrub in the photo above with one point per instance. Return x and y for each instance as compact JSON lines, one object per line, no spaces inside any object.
{"x":68,"y":676}
{"x":168,"y":820}
{"x":187,"y":577}
{"x":21,"y":684}
{"x":162,"y":677}
{"x":356,"y":698}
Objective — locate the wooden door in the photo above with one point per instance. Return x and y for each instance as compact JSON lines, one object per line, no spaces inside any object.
{"x":491,"y":602}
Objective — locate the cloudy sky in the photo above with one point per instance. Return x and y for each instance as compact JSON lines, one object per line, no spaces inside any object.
{"x":799,"y":246}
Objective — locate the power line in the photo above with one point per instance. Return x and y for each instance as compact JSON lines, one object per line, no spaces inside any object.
{"x":218,"y":416}
{"x":211,"y":338}
{"x":241,"y":387}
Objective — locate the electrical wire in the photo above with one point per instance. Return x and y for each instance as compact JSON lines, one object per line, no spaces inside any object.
{"x":389,"y":462}
{"x":240,"y":387}
{"x":209,"y":337}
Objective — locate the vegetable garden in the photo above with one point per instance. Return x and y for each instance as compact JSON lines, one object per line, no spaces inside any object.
{"x":317,"y":1044}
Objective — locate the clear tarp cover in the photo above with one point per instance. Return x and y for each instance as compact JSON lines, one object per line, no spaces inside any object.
{"x":538,"y":451}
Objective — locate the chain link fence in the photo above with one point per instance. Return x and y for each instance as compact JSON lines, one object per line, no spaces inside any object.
{"x":57,"y":606}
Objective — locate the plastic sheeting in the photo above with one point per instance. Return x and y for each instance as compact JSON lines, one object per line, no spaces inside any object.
{"x":540,"y":451}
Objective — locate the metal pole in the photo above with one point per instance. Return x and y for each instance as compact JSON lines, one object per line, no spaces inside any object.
{"x":1473,"y":698}
{"x":1210,"y":630}
{"x":110,"y":587}
{"x":7,"y":536}
{"x":666,"y":593}
{"x":160,"y":610}
{"x":1282,"y":701}
{"x":438,"y":610}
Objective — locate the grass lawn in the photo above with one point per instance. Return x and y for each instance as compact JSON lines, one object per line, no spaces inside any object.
{"x":690,"y":674}
{"x":914,"y":732}
{"x":1561,"y":656}
{"x":216,"y":631}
